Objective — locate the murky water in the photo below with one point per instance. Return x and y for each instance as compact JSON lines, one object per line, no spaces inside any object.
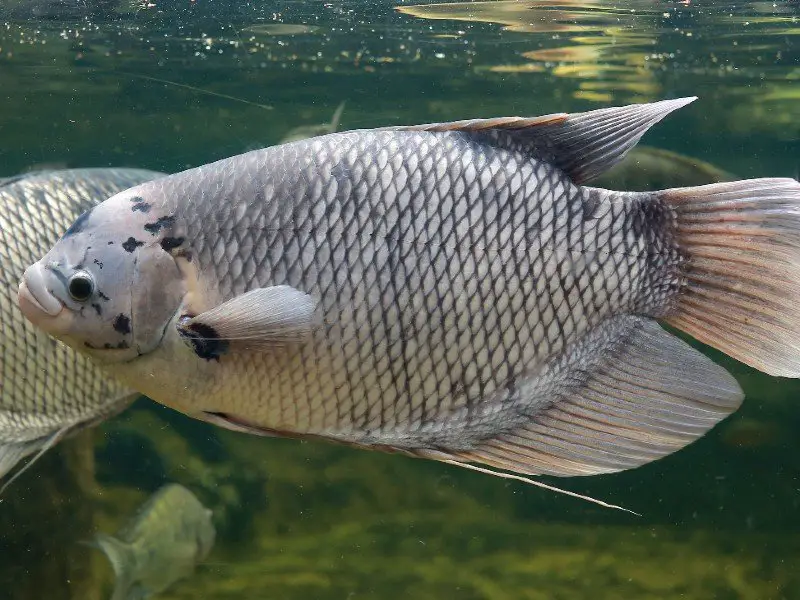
{"x":169,"y":85}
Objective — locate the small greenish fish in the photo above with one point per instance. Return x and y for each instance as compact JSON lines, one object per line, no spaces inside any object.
{"x":451,"y":291}
{"x":171,"y":533}
{"x":47,"y":389}
{"x":646,"y":168}
{"x":306,"y":131}
{"x":278,"y":29}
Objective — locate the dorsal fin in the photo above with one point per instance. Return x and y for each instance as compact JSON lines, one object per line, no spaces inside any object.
{"x":583,"y":145}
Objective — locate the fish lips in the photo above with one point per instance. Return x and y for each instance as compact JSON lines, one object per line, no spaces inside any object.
{"x":35,"y":299}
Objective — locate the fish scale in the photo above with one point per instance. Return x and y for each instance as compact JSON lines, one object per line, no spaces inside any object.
{"x":402,"y":272}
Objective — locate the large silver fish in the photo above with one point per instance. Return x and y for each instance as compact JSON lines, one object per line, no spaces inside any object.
{"x":451,"y":291}
{"x":46,"y":388}
{"x":171,"y":533}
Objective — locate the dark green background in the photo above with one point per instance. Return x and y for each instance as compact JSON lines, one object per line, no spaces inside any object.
{"x":307,"y":520}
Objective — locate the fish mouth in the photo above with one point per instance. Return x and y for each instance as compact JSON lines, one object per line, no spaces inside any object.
{"x":34,"y":298}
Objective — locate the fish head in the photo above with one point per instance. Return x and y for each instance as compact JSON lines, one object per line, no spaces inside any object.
{"x":107,"y":288}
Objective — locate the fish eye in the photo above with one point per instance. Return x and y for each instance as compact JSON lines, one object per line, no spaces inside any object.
{"x":81,"y":286}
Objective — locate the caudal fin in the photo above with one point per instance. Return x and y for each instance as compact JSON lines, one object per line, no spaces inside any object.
{"x":122,"y":560}
{"x":742,"y":274}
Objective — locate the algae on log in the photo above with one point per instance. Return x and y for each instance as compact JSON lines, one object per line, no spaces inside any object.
{"x":44,"y":515}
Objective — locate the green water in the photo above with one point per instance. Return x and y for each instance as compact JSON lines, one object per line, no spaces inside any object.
{"x":296,"y":520}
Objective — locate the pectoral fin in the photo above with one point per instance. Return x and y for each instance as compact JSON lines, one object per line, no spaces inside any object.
{"x":257,"y":320}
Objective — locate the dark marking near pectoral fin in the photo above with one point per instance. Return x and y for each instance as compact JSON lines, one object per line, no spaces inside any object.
{"x":169,"y":244}
{"x":201,"y":338}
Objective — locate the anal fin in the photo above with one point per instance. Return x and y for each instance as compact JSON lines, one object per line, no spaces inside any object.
{"x":645,"y":395}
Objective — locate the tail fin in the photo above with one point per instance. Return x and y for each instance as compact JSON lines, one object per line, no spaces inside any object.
{"x":122,"y":560}
{"x":742,"y":276}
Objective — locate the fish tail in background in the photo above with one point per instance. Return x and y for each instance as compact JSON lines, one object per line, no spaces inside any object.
{"x":122,"y":559}
{"x":741,"y":291}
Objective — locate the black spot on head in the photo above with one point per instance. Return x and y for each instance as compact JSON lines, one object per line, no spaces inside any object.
{"x":131,"y":244}
{"x":203,"y":339}
{"x":103,"y":296}
{"x":98,"y":263}
{"x":110,"y":243}
{"x":122,"y":324}
{"x":141,"y":207}
{"x":98,"y":309}
{"x":78,"y":225}
{"x":160,"y":224}
{"x":170,"y":243}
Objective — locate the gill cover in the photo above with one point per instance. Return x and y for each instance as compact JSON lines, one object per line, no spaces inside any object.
{"x":117,"y":286}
